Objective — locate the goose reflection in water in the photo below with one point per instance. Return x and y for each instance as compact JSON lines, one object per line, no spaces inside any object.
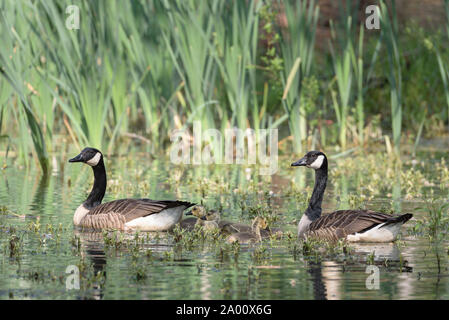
{"x":92,"y":247}
{"x":328,"y":277}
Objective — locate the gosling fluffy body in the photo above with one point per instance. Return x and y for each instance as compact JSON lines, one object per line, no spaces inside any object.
{"x":250,"y":236}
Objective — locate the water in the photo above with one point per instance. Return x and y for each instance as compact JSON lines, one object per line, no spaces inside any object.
{"x":37,"y":219}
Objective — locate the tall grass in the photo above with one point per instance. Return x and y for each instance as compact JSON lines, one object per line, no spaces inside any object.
{"x":344,"y":76}
{"x":191,"y":27}
{"x":297,"y":47}
{"x":235,"y":50}
{"x":444,"y":65}
{"x":153,"y":87}
{"x":357,"y":62}
{"x":140,"y":69}
{"x":15,"y":58}
{"x":348,"y":66}
{"x":343,"y":58}
{"x":389,"y":27}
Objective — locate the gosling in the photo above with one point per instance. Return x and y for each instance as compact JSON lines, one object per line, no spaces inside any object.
{"x":250,"y":236}
{"x":208,"y":220}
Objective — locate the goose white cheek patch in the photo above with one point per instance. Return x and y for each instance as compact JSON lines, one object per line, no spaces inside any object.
{"x":317,"y":163}
{"x":94,"y":161}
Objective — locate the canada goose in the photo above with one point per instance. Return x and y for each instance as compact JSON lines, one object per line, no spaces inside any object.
{"x":235,"y":227}
{"x":188,"y":223}
{"x":123,"y":214}
{"x":202,"y":217}
{"x":208,"y":219}
{"x":352,"y":225}
{"x":226,"y":227}
{"x":250,"y":236}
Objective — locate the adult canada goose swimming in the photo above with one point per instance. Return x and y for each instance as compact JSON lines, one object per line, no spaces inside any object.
{"x":353,"y":225}
{"x":250,"y":236}
{"x":123,"y":214}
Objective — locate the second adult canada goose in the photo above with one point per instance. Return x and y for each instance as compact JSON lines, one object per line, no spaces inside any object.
{"x":123,"y":214}
{"x":352,"y":225}
{"x":250,"y":236}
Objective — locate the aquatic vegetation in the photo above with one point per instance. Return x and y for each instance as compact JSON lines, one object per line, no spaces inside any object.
{"x":76,"y":243}
{"x":15,"y":246}
{"x":370,"y":257}
{"x":443,"y":170}
{"x":319,"y":247}
{"x":225,"y":251}
{"x":436,"y":222}
{"x":260,"y":254}
{"x":377,"y":174}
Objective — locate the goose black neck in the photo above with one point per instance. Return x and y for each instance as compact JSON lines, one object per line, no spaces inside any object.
{"x":96,"y":195}
{"x":313,"y":211}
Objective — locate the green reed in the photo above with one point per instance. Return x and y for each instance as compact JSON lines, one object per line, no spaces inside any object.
{"x":357,"y":62}
{"x":444,"y":64}
{"x":235,"y":49}
{"x":389,"y":28}
{"x":138,"y":70}
{"x":348,"y":65}
{"x":15,"y":57}
{"x":297,"y":47}
{"x":191,"y":27}
{"x":344,"y":78}
{"x":343,"y":56}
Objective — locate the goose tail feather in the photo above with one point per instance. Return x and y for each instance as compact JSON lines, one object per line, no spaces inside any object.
{"x":399,"y":219}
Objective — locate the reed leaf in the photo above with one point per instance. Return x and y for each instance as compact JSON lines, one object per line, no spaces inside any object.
{"x":298,"y":42}
{"x":394,"y":72}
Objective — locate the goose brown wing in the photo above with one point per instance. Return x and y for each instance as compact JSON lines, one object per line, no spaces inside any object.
{"x":132,"y":209}
{"x":341,"y":223}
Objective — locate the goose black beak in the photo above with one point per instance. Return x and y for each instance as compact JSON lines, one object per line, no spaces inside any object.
{"x":299,"y":163}
{"x":78,"y":158}
{"x":203,"y":218}
{"x":189,"y":213}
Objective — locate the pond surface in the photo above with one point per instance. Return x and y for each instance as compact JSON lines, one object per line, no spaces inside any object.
{"x":38,"y":241}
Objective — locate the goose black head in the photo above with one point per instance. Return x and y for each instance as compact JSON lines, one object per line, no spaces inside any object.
{"x":89,"y":156}
{"x":313,"y":159}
